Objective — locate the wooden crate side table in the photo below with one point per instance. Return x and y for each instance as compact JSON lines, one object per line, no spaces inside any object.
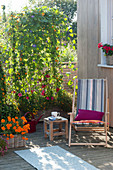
{"x":55,"y":132}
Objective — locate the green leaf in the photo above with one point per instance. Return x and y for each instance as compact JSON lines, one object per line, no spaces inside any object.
{"x":73,"y":47}
{"x":71,"y":30}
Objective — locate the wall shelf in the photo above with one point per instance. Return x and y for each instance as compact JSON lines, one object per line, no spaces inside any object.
{"x":105,"y":66}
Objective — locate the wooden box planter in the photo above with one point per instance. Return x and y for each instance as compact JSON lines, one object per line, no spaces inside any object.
{"x":109,"y":60}
{"x":16,"y":142}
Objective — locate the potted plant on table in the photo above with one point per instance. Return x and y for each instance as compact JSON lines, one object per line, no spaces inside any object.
{"x":14,"y":130}
{"x":108,"y":50}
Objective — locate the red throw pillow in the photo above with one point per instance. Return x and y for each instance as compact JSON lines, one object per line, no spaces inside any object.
{"x":89,"y":115}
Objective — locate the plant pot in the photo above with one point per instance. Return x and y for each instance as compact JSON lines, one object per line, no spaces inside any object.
{"x":16,"y":142}
{"x":109,"y":60}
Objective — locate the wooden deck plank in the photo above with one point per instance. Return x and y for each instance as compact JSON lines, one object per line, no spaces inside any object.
{"x":98,"y":156}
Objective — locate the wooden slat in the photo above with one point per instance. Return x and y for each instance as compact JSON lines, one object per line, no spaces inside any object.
{"x":82,"y":37}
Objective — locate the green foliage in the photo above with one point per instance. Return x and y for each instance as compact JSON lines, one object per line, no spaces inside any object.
{"x":3,"y":146}
{"x":68,"y":54}
{"x":31,"y":43}
{"x":62,"y":100}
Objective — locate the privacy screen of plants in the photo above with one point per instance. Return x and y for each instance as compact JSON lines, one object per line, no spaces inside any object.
{"x":30,"y":56}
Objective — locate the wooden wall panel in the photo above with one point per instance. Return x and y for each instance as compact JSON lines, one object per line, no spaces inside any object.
{"x":103,"y":73}
{"x":88,"y":54}
{"x":92,"y":38}
{"x":82,"y":38}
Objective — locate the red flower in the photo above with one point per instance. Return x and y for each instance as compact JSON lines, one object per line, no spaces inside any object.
{"x":57,"y":89}
{"x":52,"y":98}
{"x":32,"y":91}
{"x":40,"y":80}
{"x":14,"y":91}
{"x":47,"y":76}
{"x":43,"y":93}
{"x":43,"y":86}
{"x":19,"y":94}
{"x":100,"y":45}
{"x":27,"y":97}
{"x":47,"y":98}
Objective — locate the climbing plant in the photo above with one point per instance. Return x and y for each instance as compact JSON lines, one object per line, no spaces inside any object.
{"x":30,"y":54}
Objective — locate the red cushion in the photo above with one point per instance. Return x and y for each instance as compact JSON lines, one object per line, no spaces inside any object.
{"x":89,"y":115}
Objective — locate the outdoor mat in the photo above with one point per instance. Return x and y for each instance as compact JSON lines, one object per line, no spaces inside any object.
{"x":53,"y":158}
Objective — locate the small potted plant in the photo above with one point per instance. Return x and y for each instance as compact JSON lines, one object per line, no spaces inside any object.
{"x":108,"y":50}
{"x":14,"y":130}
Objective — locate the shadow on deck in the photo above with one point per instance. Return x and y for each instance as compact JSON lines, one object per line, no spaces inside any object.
{"x":99,"y":156}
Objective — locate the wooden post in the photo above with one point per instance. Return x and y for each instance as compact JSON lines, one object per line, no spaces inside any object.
{"x":51,"y":130}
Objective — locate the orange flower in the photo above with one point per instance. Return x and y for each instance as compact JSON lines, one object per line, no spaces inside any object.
{"x":23,"y":133}
{"x":13,"y":120}
{"x":4,"y":82}
{"x":3,"y":93}
{"x":20,"y":59}
{"x":4,"y":75}
{"x":25,"y":73}
{"x":26,"y":138}
{"x":2,"y":89}
{"x":23,"y":138}
{"x":8,"y":126}
{"x":56,"y":60}
{"x":7,"y":135}
{"x":52,"y":26}
{"x":18,"y":77}
{"x":58,"y":55}
{"x":57,"y":48}
{"x":3,"y":128}
{"x":43,"y":14}
{"x":14,"y":127}
{"x":16,"y":117}
{"x":2,"y":78}
{"x":55,"y":30}
{"x":3,"y":120}
{"x":11,"y":136}
{"x":4,"y":134}
{"x":9,"y":118}
{"x":7,"y":138}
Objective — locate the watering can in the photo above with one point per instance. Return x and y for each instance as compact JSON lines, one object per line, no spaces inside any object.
{"x":32,"y":122}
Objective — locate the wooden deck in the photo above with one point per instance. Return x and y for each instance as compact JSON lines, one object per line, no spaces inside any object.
{"x":98,"y":156}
